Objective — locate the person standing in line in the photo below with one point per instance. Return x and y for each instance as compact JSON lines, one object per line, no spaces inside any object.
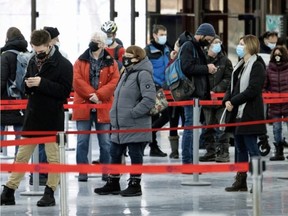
{"x":135,"y":95}
{"x":14,"y":41}
{"x":114,"y":45}
{"x":241,"y":99}
{"x":54,"y":33}
{"x":48,"y":84}
{"x":95,"y":78}
{"x":194,"y":64}
{"x":159,"y":54}
{"x":216,"y":141}
{"x":277,"y":82}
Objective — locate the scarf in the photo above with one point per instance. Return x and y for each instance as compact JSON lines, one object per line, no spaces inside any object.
{"x":244,"y":79}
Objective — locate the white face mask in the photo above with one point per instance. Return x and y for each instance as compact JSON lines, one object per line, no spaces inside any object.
{"x":109,"y":41}
{"x":271,"y":45}
{"x":162,"y":39}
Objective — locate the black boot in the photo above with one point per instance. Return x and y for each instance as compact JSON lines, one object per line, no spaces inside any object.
{"x":174,"y":143}
{"x":7,"y":196}
{"x":222,"y":153}
{"x":155,"y":151}
{"x":112,"y":186}
{"x":47,"y":199}
{"x":240,"y":183}
{"x":134,"y":187}
{"x":279,"y":155}
{"x":210,"y":154}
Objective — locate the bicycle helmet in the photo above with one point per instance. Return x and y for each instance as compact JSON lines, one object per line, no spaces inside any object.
{"x":109,"y":27}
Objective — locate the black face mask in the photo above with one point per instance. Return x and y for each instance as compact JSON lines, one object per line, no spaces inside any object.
{"x":93,"y":46}
{"x":41,"y":55}
{"x":277,"y":58}
{"x":203,"y":42}
{"x":126,"y":61}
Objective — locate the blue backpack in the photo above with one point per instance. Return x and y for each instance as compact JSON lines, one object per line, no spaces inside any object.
{"x":16,"y":88}
{"x":180,"y":86}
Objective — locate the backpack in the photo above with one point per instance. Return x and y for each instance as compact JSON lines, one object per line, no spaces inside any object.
{"x":116,"y":54}
{"x":16,"y":88}
{"x":180,"y":86}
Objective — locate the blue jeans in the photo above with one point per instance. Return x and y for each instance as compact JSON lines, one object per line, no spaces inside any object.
{"x":83,"y":140}
{"x":135,"y":151}
{"x":277,"y":130}
{"x":245,"y":144}
{"x":17,"y":127}
{"x":187,"y":138}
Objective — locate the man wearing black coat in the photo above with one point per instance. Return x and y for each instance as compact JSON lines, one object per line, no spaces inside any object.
{"x":48,"y":85}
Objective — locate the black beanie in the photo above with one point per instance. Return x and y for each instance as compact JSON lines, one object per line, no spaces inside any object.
{"x":206,"y":29}
{"x":52,"y":31}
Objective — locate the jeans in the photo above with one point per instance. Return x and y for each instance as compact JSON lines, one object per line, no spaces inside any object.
{"x":187,"y":138}
{"x":245,"y":144}
{"x":83,"y":140}
{"x":135,"y":151}
{"x":17,"y":127}
{"x":277,"y":130}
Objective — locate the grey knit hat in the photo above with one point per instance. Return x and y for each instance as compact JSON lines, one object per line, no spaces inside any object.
{"x":206,"y":29}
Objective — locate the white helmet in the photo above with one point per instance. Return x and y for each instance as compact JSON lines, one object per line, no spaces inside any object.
{"x":109,"y":27}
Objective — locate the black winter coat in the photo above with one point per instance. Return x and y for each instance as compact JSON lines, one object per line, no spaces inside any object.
{"x":193,"y":64}
{"x":252,"y":96}
{"x":8,"y":71}
{"x":45,"y":110}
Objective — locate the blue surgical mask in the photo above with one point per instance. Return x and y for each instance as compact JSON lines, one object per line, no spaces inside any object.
{"x":162,"y":39}
{"x":109,"y":41}
{"x":271,"y":45}
{"x":216,"y":48}
{"x":240,"y":51}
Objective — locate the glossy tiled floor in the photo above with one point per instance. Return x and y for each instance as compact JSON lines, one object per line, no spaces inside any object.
{"x":162,"y":194}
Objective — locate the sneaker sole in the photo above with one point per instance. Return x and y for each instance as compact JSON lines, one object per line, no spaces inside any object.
{"x":131,"y":195}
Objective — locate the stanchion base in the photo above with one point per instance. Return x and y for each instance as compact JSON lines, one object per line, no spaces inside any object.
{"x":32,"y":193}
{"x":199,"y":183}
{"x":69,"y":149}
{"x":91,"y":176}
{"x":283,"y":178}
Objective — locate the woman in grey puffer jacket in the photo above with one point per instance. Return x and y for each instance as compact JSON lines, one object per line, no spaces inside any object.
{"x":134,"y":96}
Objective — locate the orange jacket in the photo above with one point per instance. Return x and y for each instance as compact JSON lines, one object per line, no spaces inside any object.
{"x":109,"y":76}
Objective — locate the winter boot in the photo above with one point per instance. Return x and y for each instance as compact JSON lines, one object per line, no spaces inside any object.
{"x":222,"y":153}
{"x":210,"y":154}
{"x":47,"y":199}
{"x":7,"y":196}
{"x":279,"y":155}
{"x":155,"y":151}
{"x":112,"y":186}
{"x":240,"y":183}
{"x":174,"y":143}
{"x":134,"y":187}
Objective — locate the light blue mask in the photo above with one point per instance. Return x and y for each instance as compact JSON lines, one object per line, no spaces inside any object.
{"x":271,"y":45}
{"x":162,"y":39}
{"x":109,"y":41}
{"x":240,"y":51}
{"x":216,"y":48}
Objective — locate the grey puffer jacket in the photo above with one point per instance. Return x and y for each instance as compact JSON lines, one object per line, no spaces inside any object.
{"x":134,"y":96}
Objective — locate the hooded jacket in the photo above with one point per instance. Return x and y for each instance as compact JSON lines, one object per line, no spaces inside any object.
{"x":8,"y":71}
{"x":133,"y":100}
{"x":193,"y":64}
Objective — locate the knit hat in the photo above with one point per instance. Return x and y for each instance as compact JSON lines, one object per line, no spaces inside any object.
{"x":206,"y":29}
{"x":52,"y":31}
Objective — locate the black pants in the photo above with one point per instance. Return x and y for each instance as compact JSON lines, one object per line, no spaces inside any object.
{"x":170,"y":114}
